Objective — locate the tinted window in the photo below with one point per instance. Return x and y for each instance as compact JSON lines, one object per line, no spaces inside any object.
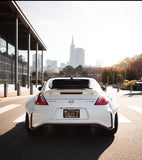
{"x":70,"y":83}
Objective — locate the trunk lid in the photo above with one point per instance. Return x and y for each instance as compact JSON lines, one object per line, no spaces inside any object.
{"x":67,"y":94}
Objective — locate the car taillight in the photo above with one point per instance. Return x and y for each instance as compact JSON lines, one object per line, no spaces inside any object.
{"x":101,"y":101}
{"x":41,"y":100}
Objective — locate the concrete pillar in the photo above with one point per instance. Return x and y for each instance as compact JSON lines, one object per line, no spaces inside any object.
{"x":7,"y":46}
{"x":118,"y":86}
{"x":131,"y":87}
{"x":36,"y":64}
{"x":16,"y":52}
{"x":28,"y":69}
{"x":113,"y":78}
{"x":7,"y":75}
{"x":105,"y":87}
{"x":18,"y":89}
{"x":42,"y":75}
{"x":31,"y":88}
{"x":5,"y":89}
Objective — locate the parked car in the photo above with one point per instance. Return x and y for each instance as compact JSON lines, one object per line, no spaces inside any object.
{"x":126,"y":84}
{"x":72,"y":101}
{"x":137,"y":86}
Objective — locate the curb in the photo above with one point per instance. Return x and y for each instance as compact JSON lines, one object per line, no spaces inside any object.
{"x":24,"y":94}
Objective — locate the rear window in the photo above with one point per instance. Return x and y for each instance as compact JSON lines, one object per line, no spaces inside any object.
{"x":70,"y":84}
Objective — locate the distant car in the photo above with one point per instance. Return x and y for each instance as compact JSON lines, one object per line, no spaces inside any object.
{"x":137,"y":86}
{"x":72,"y":101}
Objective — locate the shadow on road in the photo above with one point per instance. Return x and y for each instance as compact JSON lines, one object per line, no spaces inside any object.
{"x":133,"y":94}
{"x":16,"y":144}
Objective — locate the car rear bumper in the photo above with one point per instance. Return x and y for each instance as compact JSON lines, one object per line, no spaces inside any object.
{"x":38,"y":120}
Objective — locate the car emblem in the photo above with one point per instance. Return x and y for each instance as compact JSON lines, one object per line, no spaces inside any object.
{"x":70,"y":101}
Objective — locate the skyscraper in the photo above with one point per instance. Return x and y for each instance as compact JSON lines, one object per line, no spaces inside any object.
{"x":34,"y":62}
{"x":51,"y":65}
{"x":72,"y":61}
{"x":76,"y":55}
{"x":99,"y":63}
{"x":79,"y":56}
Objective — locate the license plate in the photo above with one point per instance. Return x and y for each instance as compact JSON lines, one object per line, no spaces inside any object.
{"x":71,"y":113}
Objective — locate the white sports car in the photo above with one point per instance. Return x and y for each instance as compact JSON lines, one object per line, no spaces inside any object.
{"x":72,"y":101}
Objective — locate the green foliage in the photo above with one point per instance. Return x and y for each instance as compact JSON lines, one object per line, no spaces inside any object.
{"x":61,"y":73}
{"x":46,"y":76}
{"x":69,"y":71}
{"x":131,"y":74}
{"x":116,"y":75}
{"x":131,"y":67}
{"x":136,"y":67}
{"x":105,"y":74}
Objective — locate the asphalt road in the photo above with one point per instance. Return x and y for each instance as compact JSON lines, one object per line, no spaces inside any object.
{"x":63,"y":145}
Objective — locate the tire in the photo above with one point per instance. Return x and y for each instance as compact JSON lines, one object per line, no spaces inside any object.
{"x":113,"y":131}
{"x":28,"y":130}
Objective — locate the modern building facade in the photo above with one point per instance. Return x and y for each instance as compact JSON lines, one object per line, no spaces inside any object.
{"x":7,"y":64}
{"x":99,"y":63}
{"x":77,"y":55}
{"x":51,"y":65}
{"x":17,"y":35}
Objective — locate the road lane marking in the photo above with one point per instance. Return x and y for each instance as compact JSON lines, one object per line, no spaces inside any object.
{"x":8,"y":107}
{"x":135,"y":108}
{"x":20,"y":119}
{"x":123,"y":119}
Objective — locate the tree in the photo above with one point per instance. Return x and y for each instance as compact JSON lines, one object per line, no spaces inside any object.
{"x":62,"y":73}
{"x":132,"y":67}
{"x":131,"y":74}
{"x":84,"y":73}
{"x":79,"y":69}
{"x":105,"y":73}
{"x":137,"y":67}
{"x":34,"y":74}
{"x":69,"y":71}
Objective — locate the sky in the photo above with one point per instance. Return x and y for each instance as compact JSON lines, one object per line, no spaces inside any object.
{"x":106,"y":30}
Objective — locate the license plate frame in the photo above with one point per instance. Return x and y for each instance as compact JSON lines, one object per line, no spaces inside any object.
{"x":71,"y":113}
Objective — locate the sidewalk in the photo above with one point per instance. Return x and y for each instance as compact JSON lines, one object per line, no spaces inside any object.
{"x":12,"y":92}
{"x":113,"y":92}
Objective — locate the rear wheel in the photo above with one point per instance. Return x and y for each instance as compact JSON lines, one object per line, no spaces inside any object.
{"x":113,"y":131}
{"x":28,"y":130}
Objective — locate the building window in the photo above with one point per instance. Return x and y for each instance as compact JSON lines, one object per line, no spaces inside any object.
{"x":11,"y":50}
{"x":2,"y":45}
{"x":7,"y":63}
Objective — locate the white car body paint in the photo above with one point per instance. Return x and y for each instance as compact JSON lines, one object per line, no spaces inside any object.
{"x":90,"y":114}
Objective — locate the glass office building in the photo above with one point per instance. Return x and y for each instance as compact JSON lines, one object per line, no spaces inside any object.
{"x":18,"y":39}
{"x":7,"y":63}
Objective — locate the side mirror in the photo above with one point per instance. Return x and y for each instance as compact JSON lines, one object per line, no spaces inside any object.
{"x":39,"y":88}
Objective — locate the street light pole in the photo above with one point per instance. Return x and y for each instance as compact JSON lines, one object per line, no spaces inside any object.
{"x":117,"y":78}
{"x":125,"y":74}
{"x":113,"y":78}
